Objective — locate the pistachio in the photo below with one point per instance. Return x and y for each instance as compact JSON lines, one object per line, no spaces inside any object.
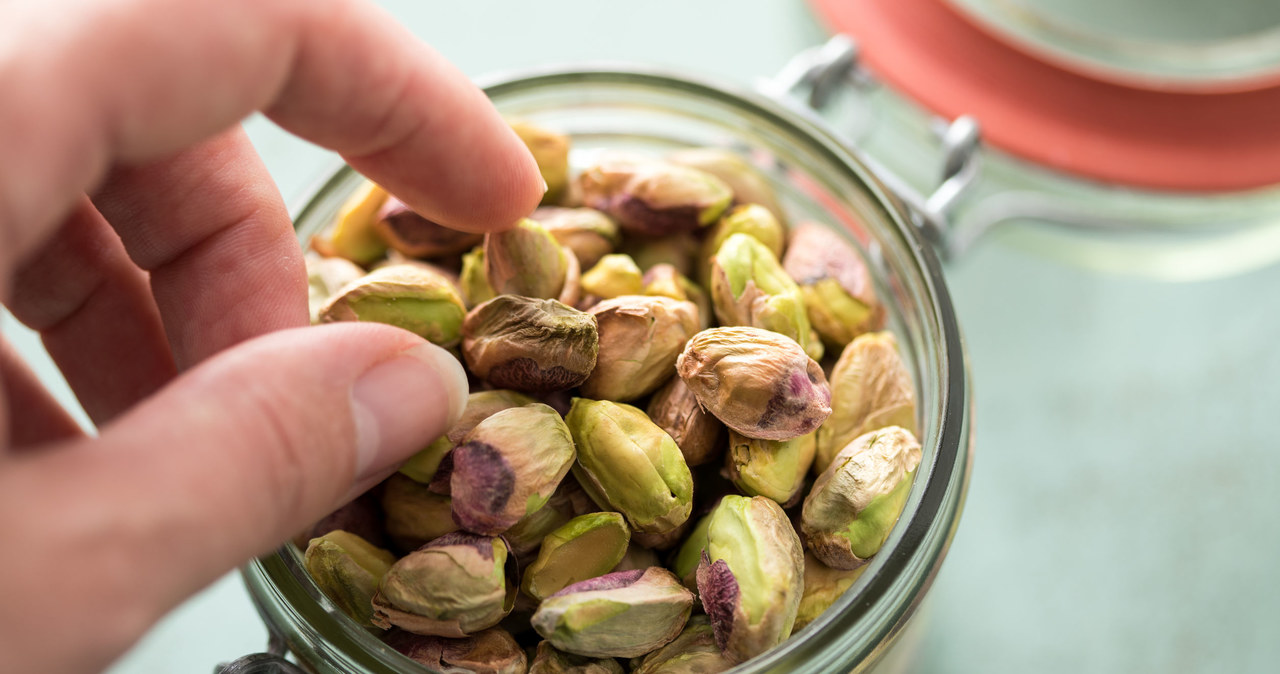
{"x":347,"y":569}
{"x":551,"y":661}
{"x":677,"y":250}
{"x":751,"y":219}
{"x":636,"y":557}
{"x":694,"y":651}
{"x":414,"y":514}
{"x":749,"y":185}
{"x":856,"y":501}
{"x":587,"y":546}
{"x":480,"y":406}
{"x":352,"y":235}
{"x":837,"y":287}
{"x":665,"y":280}
{"x":640,"y":338}
{"x":757,"y":382}
{"x":677,"y":411}
{"x":586,"y":232}
{"x":527,"y":260}
{"x":774,"y":469}
{"x":623,"y":614}
{"x":749,"y":287}
{"x":492,"y":651}
{"x":627,"y":464}
{"x":654,"y":197}
{"x":751,"y":576}
{"x":508,"y":466}
{"x":408,"y":296}
{"x":823,"y":585}
{"x":411,"y":234}
{"x":551,"y":151}
{"x":325,"y":277}
{"x":870,"y":389}
{"x":685,"y":563}
{"x":529,"y":344}
{"x":568,"y":501}
{"x":473,"y":279}
{"x":422,"y":466}
{"x":453,"y":586}
{"x":612,"y":276}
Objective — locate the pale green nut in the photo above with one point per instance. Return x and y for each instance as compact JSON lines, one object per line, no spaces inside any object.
{"x":473,"y":279}
{"x":623,"y":614}
{"x":775,"y":469}
{"x":839,"y":293}
{"x":568,"y":501}
{"x":347,"y":569}
{"x":456,"y":585}
{"x":413,"y":514}
{"x":480,"y":406}
{"x":612,"y":276}
{"x":751,"y":577}
{"x":855,"y":502}
{"x":823,"y":585}
{"x":629,"y":465}
{"x":585,"y":547}
{"x":586,"y":232}
{"x":529,"y":344}
{"x":870,"y":389}
{"x":325,"y":277}
{"x":548,"y":660}
{"x":408,"y":295}
{"x":551,"y":151}
{"x":527,"y":260}
{"x":694,"y":651}
{"x":640,"y":338}
{"x":749,"y":288}
{"x":749,"y":184}
{"x":751,"y":219}
{"x":653,"y":197}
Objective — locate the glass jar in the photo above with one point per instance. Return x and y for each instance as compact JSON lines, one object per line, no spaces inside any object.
{"x":817,"y":178}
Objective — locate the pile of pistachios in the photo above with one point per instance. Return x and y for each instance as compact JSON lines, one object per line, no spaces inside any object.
{"x":688,"y":430}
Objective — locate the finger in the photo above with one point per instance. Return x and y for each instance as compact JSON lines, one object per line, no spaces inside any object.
{"x":211,"y":228}
{"x":35,"y":417}
{"x":233,"y":457}
{"x":95,"y":314}
{"x":339,"y":72}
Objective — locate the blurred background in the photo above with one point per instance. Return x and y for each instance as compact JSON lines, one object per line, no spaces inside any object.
{"x":1121,"y":515}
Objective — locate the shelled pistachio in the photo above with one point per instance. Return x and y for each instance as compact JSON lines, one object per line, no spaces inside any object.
{"x":348,"y":569}
{"x":480,"y":406}
{"x":748,"y":184}
{"x":614,"y":275}
{"x":870,"y":388}
{"x":526,"y":260}
{"x":548,"y":660}
{"x":751,"y":219}
{"x":676,"y":410}
{"x":694,"y":651}
{"x":409,"y":296}
{"x":623,"y":614}
{"x":838,"y":291}
{"x":749,"y":288}
{"x":654,"y":197}
{"x":352,"y":234}
{"x":415,"y":515}
{"x":586,"y":232}
{"x":775,"y":469}
{"x":529,"y":344}
{"x":473,"y":279}
{"x":417,"y":237}
{"x":551,"y":151}
{"x":823,"y":585}
{"x":585,"y":547}
{"x":640,"y":338}
{"x":325,"y":277}
{"x":492,"y":651}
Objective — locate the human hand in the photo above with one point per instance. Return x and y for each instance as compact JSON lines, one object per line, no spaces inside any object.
{"x":173,"y":295}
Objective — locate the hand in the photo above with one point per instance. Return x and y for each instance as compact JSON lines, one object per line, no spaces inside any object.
{"x":143,"y":238}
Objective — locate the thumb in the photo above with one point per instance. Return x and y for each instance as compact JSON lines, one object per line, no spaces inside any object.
{"x":226,"y":462}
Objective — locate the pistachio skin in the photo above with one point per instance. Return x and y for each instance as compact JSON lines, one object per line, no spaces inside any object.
{"x":348,"y":569}
{"x":836,"y":284}
{"x":586,"y":232}
{"x":748,"y":184}
{"x":749,"y":287}
{"x":614,"y":275}
{"x":751,"y":576}
{"x":653,"y":197}
{"x":412,"y":235}
{"x":491,"y":651}
{"x":823,"y":585}
{"x":694,"y":651}
{"x":870,"y":389}
{"x":526,"y":260}
{"x":775,"y":469}
{"x":856,"y":501}
{"x":325,"y":277}
{"x":585,"y":547}
{"x":757,"y":382}
{"x":548,"y":660}
{"x":531,"y":345}
{"x":676,"y":410}
{"x":623,"y":614}
{"x":409,"y":296}
{"x":352,"y":235}
{"x":415,"y":515}
{"x":551,"y":151}
{"x":640,"y":338}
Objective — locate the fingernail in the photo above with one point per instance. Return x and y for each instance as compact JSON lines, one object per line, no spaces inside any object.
{"x":545,"y":188}
{"x":402,"y":404}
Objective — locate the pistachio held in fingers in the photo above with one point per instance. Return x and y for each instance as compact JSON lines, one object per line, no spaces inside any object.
{"x":526,"y":260}
{"x":615,"y":274}
{"x":694,"y":651}
{"x":491,"y":651}
{"x":823,"y":585}
{"x":473,"y":279}
{"x":870,"y":388}
{"x":640,"y":338}
{"x":775,"y":469}
{"x":415,"y":515}
{"x":835,"y":282}
{"x":586,"y":232}
{"x":748,"y":184}
{"x":415,"y":236}
{"x":529,"y":344}
{"x":757,"y":382}
{"x":855,"y":502}
{"x":410,"y":296}
{"x":623,"y":614}
{"x":456,"y":585}
{"x":480,"y":406}
{"x":751,"y":576}
{"x":347,"y":569}
{"x":749,"y":287}
{"x":654,"y":197}
{"x":548,"y":660}
{"x":325,"y":277}
{"x":629,"y":465}
{"x":585,"y":547}
{"x":676,"y":410}
{"x":508,"y":466}
{"x":352,"y":235}
{"x":551,"y":151}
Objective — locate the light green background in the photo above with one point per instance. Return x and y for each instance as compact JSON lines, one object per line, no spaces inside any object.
{"x":1122,"y":515}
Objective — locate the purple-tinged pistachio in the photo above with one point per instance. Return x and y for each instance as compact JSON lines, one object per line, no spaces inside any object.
{"x":417,"y":237}
{"x":361,"y":516}
{"x":677,"y":250}
{"x":473,"y":279}
{"x":623,"y":614}
{"x":855,"y":502}
{"x":749,"y":288}
{"x":453,"y":586}
{"x":415,"y":515}
{"x":612,"y":276}
{"x":665,"y":280}
{"x":751,"y":219}
{"x":870,"y":388}
{"x":551,"y":151}
{"x":757,"y":382}
{"x":636,"y":557}
{"x":835,"y":282}
{"x":685,"y":563}
{"x":677,"y":411}
{"x":492,"y":651}
{"x":508,"y":466}
{"x":629,"y":465}
{"x":526,"y":260}
{"x":348,"y":569}
{"x":585,"y":547}
{"x":325,"y":277}
{"x":586,"y":232}
{"x":654,"y":197}
{"x":409,"y":296}
{"x":352,"y":235}
{"x":693,"y":652}
{"x":548,"y":660}
{"x":823,"y":585}
{"x":749,"y":185}
{"x":751,"y":576}
{"x":640,"y":338}
{"x":422,"y":466}
{"x":529,"y":344}
{"x":774,"y":469}
{"x":480,"y":406}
